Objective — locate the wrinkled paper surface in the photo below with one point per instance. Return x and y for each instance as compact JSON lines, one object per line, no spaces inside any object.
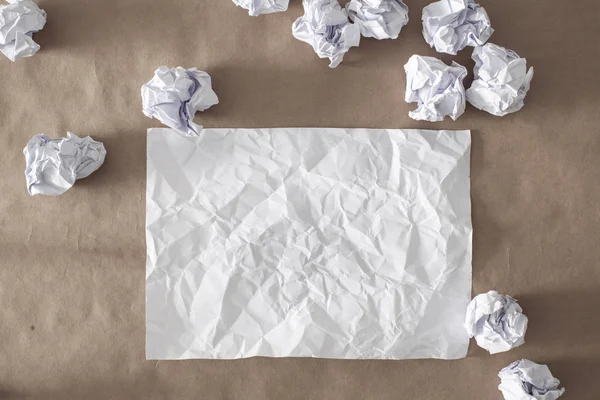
{"x":258,"y":7}
{"x":501,"y":80}
{"x":174,"y":95}
{"x":308,"y":242}
{"x":326,"y":27}
{"x":496,"y":321}
{"x":436,"y":87}
{"x":451,"y":25}
{"x":53,"y":165}
{"x":379,"y":19}
{"x":526,"y":380}
{"x":19,"y":20}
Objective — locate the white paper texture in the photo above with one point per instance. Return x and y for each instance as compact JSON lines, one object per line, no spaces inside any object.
{"x":308,"y":242}
{"x":526,"y":380}
{"x":326,"y":27}
{"x":501,"y":80}
{"x":19,"y":20}
{"x":258,"y":7}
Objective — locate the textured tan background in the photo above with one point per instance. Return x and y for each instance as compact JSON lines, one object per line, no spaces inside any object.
{"x":72,"y":267}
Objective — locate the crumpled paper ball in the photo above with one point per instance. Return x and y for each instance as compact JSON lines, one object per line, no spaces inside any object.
{"x":325,"y":26}
{"x":496,"y":321}
{"x":451,"y":25}
{"x":501,"y":80}
{"x":526,"y":380}
{"x":379,"y":19}
{"x":436,"y":87}
{"x":258,"y":7}
{"x":174,"y":95}
{"x":53,"y":165}
{"x":19,"y":20}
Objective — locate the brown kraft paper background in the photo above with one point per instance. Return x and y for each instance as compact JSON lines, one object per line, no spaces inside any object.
{"x":72,"y":268}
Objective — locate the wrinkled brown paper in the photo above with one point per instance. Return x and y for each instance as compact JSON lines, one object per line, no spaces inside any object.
{"x":72,"y":268}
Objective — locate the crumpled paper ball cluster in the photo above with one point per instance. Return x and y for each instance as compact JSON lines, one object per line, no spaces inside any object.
{"x":498,"y":324}
{"x":332,"y":30}
{"x":501,"y":77}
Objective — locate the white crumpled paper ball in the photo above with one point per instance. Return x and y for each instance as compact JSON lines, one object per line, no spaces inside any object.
{"x":258,"y":7}
{"x":501,"y":80}
{"x":451,"y":25}
{"x":379,"y":19}
{"x":19,"y":20}
{"x":53,"y":165}
{"x":325,"y":26}
{"x":174,"y":95}
{"x":436,"y":87}
{"x":496,"y":321}
{"x":526,"y":380}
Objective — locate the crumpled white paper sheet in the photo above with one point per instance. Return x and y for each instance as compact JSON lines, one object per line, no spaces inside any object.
{"x":174,"y":95}
{"x":308,"y":242}
{"x":526,"y":380}
{"x":436,"y":87}
{"x":501,"y":80}
{"x":496,"y":321}
{"x":19,"y":20}
{"x":258,"y":7}
{"x":325,"y":26}
{"x":379,"y":19}
{"x":451,"y":25}
{"x":53,"y":165}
